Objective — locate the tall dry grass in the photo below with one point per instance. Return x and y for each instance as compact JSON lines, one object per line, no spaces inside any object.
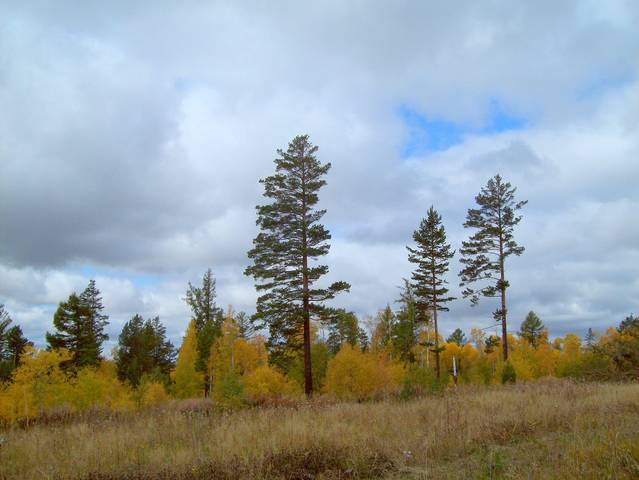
{"x":545,"y":429}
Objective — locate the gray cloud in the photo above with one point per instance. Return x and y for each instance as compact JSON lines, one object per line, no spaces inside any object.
{"x":132,"y":138}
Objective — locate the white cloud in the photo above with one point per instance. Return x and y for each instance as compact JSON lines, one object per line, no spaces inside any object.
{"x":134,"y":136}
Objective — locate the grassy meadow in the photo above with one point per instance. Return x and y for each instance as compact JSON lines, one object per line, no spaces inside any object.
{"x":544,"y":429}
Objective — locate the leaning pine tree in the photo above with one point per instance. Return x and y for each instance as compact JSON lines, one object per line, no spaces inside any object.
{"x":432,"y":258}
{"x":291,"y":238}
{"x":484,"y":254}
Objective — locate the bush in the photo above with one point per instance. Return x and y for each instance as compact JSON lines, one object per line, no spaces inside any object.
{"x":355,"y":375}
{"x":508,"y":373}
{"x":99,"y":387}
{"x":266,"y":383}
{"x":152,"y":393}
{"x":420,"y":381}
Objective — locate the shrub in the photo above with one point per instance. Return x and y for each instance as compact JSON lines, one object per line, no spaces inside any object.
{"x":355,"y":375}
{"x":99,"y":387}
{"x":419,"y":381}
{"x":152,"y":393}
{"x":265,"y":383}
{"x":508,"y":373}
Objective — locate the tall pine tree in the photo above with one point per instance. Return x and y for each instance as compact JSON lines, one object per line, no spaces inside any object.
{"x":432,"y":259}
{"x":79,"y":325}
{"x":291,"y":238}
{"x":484,"y":254}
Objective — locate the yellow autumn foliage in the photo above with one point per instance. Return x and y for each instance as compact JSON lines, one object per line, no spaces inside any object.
{"x":99,"y":387}
{"x":356,"y":375}
{"x":153,"y":393}
{"x":265,"y":382}
{"x":38,"y":384}
{"x":189,"y":383}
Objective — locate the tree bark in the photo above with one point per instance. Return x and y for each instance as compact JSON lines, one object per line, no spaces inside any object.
{"x":437,"y":367}
{"x":502,"y":285}
{"x":308,"y":372}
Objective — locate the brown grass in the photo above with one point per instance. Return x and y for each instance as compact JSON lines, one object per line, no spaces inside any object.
{"x":545,"y":429}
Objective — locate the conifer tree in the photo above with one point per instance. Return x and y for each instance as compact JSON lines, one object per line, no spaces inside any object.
{"x":531,"y":329}
{"x":5,"y":321}
{"x":246,"y":326}
{"x":432,"y":258}
{"x":98,"y":321}
{"x":12,"y":345}
{"x":144,"y":350}
{"x":492,"y":343}
{"x":291,"y":238}
{"x":408,"y":321}
{"x":382,"y":332}
{"x":343,"y":327}
{"x":188,"y":380}
{"x":208,"y":321}
{"x":457,"y":337}
{"x":484,"y":254}
{"x":591,"y":336}
{"x":79,"y":325}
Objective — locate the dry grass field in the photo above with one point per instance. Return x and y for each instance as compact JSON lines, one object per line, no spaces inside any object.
{"x":545,"y":429}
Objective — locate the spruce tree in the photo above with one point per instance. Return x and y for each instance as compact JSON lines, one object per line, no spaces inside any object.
{"x":79,"y":326}
{"x":484,"y":254}
{"x":208,"y":321}
{"x":432,"y":259}
{"x":531,"y":329}
{"x":291,"y":238}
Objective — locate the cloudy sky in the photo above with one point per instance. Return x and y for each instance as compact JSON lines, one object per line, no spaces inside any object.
{"x":133,"y":135}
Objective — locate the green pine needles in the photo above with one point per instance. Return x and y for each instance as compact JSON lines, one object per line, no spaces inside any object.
{"x":290,"y":240}
{"x":432,"y":259}
{"x":485,"y":253}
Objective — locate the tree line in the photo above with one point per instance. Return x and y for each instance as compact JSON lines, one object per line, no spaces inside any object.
{"x":222,"y":349}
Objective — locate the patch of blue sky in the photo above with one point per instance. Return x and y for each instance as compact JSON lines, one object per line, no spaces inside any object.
{"x":137,"y":280}
{"x":430,"y":134}
{"x":597,"y":87}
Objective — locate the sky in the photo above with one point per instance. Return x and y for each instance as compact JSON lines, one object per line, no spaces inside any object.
{"x":133,"y":136}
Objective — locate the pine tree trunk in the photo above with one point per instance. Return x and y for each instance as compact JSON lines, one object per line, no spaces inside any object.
{"x":437,"y":367}
{"x":308,"y":373}
{"x":308,"y":376}
{"x":504,"y":330}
